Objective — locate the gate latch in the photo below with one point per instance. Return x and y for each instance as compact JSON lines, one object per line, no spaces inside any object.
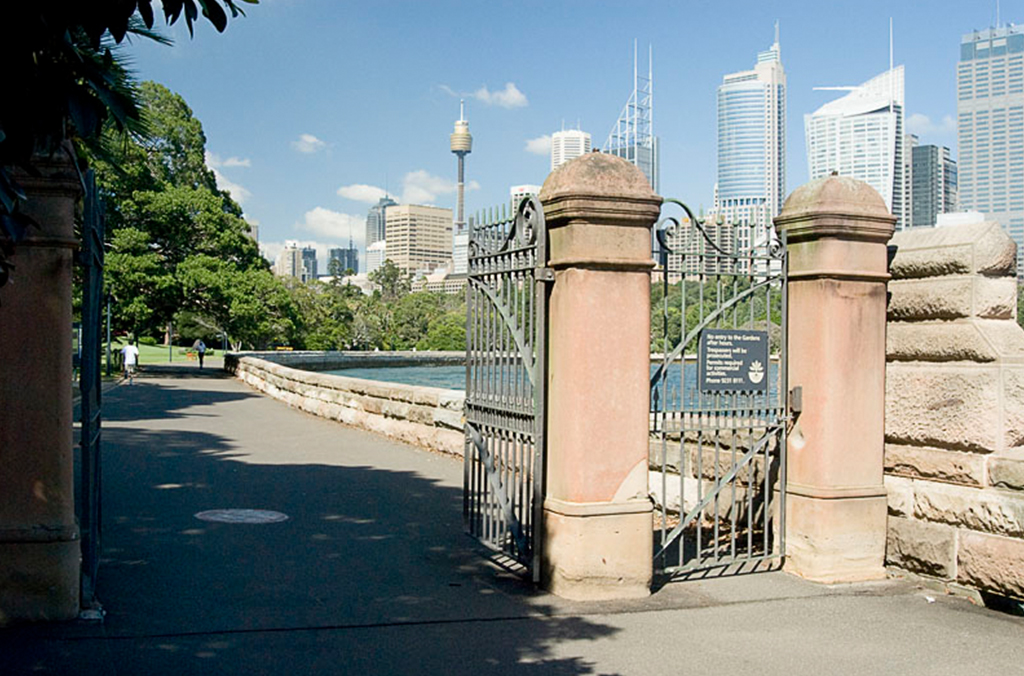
{"x":796,"y":399}
{"x":544,"y":275}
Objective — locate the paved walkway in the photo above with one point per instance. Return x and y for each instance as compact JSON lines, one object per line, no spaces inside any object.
{"x":371,"y":574}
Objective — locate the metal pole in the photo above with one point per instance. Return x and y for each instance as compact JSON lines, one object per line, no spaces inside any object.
{"x":170,"y":342}
{"x":108,"y":335}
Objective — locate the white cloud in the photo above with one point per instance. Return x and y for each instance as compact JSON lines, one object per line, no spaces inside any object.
{"x":422,"y":187}
{"x":334,"y":225}
{"x":214,"y":161}
{"x":361,"y":192}
{"x":237,"y":192}
{"x":308,"y":143}
{"x":540,"y":145}
{"x":922,"y":125}
{"x":509,"y":97}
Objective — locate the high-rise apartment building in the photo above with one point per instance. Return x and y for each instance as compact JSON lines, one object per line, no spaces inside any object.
{"x":418,"y":237}
{"x":568,"y":144}
{"x":752,"y":148}
{"x":375,"y":255}
{"x":861,"y":135}
{"x":376,"y":223}
{"x":990,"y":127}
{"x":934,"y":179}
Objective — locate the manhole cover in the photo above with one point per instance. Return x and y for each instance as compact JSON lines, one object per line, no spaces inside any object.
{"x":242,"y":516}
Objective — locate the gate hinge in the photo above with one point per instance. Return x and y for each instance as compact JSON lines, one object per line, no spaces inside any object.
{"x":544,"y":275}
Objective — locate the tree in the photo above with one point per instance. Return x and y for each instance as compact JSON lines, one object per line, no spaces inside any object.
{"x":63,"y":81}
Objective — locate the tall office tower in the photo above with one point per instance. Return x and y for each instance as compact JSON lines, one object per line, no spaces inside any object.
{"x":419,"y":237}
{"x":462,"y":145}
{"x":633,"y":137}
{"x":348,"y":259}
{"x":308,"y":263}
{"x":375,"y":255}
{"x":935,"y":184}
{"x":861,"y":135}
{"x":752,"y":147}
{"x":289,"y":261}
{"x":568,"y":144}
{"x":990,"y":127}
{"x":518,"y":193}
{"x":376,"y":220}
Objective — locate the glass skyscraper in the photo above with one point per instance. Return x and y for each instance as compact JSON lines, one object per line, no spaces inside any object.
{"x":934,"y":178}
{"x":376,"y":221}
{"x":861,"y":135}
{"x":990,"y":127}
{"x":752,"y":148}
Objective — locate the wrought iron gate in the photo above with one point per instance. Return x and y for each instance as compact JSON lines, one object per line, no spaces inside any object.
{"x":91,"y":259}
{"x":718,"y":412}
{"x":506,"y":311}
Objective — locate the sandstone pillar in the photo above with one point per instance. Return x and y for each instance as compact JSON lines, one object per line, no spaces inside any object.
{"x":39,"y":548}
{"x":837,"y":230}
{"x":597,"y":515}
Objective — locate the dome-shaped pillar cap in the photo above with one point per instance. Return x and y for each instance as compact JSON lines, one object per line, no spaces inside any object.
{"x":836,"y":206}
{"x":598,"y":187}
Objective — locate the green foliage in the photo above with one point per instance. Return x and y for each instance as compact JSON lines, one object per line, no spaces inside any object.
{"x":147,"y":340}
{"x":447,"y":332}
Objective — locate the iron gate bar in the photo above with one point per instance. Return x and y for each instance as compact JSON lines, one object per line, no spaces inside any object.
{"x":506,"y":309}
{"x":714,"y":421}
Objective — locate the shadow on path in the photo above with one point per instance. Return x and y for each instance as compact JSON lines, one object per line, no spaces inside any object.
{"x":370,"y":573}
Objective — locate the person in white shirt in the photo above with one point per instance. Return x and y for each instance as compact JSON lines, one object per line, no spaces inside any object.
{"x":131,"y":358}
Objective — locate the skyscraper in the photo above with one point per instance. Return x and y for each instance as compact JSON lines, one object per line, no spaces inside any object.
{"x":418,"y":237}
{"x":752,"y":147}
{"x":299,"y":263}
{"x":633,"y":137}
{"x":934,"y":184}
{"x":348,"y":259}
{"x":990,"y":127}
{"x":376,"y":222}
{"x":861,"y":135}
{"x":568,"y":144}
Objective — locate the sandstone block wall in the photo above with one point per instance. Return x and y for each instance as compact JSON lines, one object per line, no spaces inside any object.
{"x":428,"y":417}
{"x":954,"y":431}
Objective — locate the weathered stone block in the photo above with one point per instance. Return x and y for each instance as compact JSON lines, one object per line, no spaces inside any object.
{"x":953,"y":297}
{"x":935,"y":464}
{"x":1013,"y":406}
{"x":920,"y":547}
{"x":939,"y":341}
{"x":949,"y":407}
{"x":991,"y":563}
{"x":1006,"y":470}
{"x":985,"y":510}
{"x":900,"y":495}
{"x":982,"y":248}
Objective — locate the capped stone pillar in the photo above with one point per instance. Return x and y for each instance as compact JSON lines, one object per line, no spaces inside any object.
{"x":837,"y":229}
{"x":598,"y":533}
{"x":39,"y":546}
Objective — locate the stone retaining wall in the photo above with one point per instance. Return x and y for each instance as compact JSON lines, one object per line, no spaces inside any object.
{"x":428,"y":417}
{"x":954,"y":432}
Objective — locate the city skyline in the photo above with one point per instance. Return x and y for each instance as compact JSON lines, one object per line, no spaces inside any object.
{"x":307,"y":151}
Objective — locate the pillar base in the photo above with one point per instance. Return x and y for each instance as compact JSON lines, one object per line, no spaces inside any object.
{"x":598,"y":551}
{"x":39,"y":581}
{"x":832,"y":540}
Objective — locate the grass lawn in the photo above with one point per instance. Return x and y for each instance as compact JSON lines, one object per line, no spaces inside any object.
{"x":158,"y":354}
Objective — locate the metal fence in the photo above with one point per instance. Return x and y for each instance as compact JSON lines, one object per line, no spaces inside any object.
{"x":718,"y":394}
{"x":506,"y":308}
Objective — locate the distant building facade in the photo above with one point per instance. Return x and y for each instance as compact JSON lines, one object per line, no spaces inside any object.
{"x":934,"y":184}
{"x":990,"y":128}
{"x":348,"y":258}
{"x":376,"y":223}
{"x":752,"y":148}
{"x":568,"y":144}
{"x":375,"y":255}
{"x":518,"y":193}
{"x":418,"y":237}
{"x":861,"y":135}
{"x":295,"y":262}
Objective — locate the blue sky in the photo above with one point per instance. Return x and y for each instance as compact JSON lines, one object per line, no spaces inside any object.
{"x":311,"y":107}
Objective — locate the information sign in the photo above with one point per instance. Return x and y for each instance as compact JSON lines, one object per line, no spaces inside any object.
{"x":733,"y":360}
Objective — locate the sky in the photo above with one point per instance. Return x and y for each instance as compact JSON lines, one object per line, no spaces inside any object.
{"x":313,"y":108}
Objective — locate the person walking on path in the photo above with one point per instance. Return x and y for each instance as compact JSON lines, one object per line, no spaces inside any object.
{"x":130,"y":353}
{"x":200,"y":348}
